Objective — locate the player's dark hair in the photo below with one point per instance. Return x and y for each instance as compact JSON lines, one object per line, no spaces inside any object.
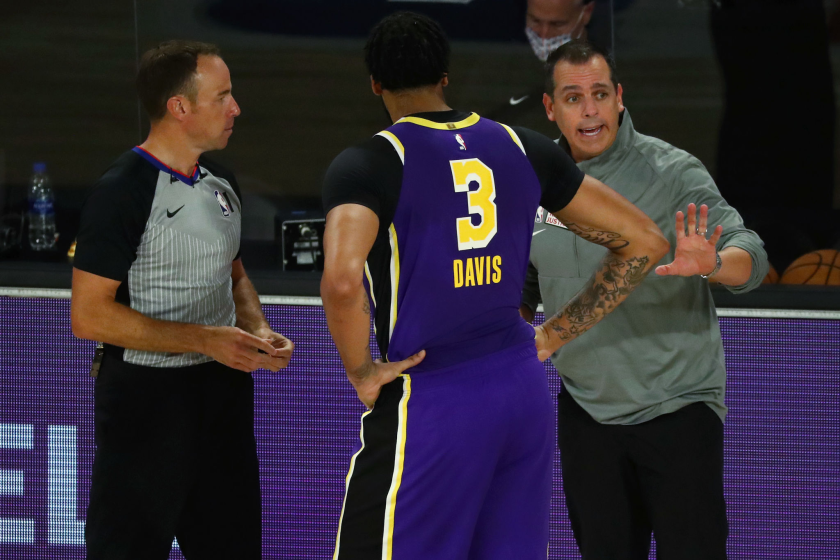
{"x":576,"y":52}
{"x":167,"y":70}
{"x":407,"y":50}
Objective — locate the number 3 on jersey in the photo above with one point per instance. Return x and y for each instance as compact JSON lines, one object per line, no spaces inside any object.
{"x":480,"y":202}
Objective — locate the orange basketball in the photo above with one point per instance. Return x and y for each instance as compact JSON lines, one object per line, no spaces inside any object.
{"x":772,"y":276}
{"x":819,"y":268}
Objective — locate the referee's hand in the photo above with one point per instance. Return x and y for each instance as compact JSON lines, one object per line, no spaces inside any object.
{"x":240,"y":350}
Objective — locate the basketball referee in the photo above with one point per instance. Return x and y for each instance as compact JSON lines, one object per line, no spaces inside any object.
{"x":158,"y":278}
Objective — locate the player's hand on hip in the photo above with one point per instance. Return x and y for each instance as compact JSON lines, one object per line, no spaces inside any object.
{"x":369,"y":384}
{"x":541,"y":341}
{"x":694,"y":253}
{"x":241,"y":350}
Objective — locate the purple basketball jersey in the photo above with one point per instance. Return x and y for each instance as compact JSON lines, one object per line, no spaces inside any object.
{"x":451,"y":280}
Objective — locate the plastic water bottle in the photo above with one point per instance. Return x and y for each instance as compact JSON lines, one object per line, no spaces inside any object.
{"x":41,"y":210}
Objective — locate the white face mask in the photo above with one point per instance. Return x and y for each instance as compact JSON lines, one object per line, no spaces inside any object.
{"x":544,"y":47}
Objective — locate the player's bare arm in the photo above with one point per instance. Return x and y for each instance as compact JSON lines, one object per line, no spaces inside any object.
{"x":348,"y":238}
{"x":695,"y":254}
{"x":250,"y":317}
{"x":600,"y":215}
{"x":96,"y":315}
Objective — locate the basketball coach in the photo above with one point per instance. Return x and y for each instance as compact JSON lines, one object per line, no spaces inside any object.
{"x":642,"y":409}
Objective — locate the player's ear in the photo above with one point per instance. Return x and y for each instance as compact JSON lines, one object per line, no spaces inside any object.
{"x":445,"y":80}
{"x":619,"y":93}
{"x":375,"y":86}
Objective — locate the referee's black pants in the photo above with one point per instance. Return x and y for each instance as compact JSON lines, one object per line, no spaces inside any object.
{"x":663,"y":476}
{"x":175,"y":456}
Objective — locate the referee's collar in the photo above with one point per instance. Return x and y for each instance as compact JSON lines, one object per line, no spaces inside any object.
{"x":174,"y":173}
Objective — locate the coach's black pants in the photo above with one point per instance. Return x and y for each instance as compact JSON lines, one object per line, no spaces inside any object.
{"x":175,"y":456}
{"x":664,"y":476}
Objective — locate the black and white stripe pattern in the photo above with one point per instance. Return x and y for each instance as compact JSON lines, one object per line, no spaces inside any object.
{"x":182,"y":272}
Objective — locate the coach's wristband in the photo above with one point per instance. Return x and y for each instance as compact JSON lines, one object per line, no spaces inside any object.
{"x":718,"y":264}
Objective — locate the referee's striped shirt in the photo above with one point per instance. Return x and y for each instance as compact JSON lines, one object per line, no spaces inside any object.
{"x":170,"y":239}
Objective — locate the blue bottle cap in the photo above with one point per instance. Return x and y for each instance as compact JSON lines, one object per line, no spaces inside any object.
{"x":39,"y":167}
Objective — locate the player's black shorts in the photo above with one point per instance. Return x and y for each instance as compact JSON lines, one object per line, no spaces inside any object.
{"x":175,"y":456}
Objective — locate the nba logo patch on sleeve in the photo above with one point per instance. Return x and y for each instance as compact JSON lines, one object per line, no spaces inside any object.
{"x":540,"y":212}
{"x":223,"y":203}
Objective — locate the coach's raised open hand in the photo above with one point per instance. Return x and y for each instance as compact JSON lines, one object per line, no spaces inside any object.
{"x":694,"y":253}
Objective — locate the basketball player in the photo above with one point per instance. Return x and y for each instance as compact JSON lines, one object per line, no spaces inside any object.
{"x":430,"y":221}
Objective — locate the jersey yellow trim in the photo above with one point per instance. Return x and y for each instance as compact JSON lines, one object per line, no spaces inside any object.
{"x":399,"y":462}
{"x":395,"y":278}
{"x":395,"y":142}
{"x":372,"y":296}
{"x":370,"y":283}
{"x":347,"y":483}
{"x":469,"y":121}
{"x":515,"y":137}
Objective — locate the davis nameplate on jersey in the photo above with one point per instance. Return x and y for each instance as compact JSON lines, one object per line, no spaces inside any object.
{"x":548,"y":218}
{"x":223,"y":203}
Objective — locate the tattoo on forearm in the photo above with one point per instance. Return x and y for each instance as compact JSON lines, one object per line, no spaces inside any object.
{"x":609,"y":239}
{"x":610,"y":285}
{"x":362,"y":372}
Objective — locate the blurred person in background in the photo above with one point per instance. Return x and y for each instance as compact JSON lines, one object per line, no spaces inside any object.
{"x":642,"y":409}
{"x":548,"y":25}
{"x":159,"y":279}
{"x":775,"y":158}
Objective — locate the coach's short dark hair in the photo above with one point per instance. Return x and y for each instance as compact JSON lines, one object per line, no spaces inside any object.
{"x":577,"y":51}
{"x":167,"y":70}
{"x":407,"y":50}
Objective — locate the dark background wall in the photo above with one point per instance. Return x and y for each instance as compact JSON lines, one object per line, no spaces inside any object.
{"x":68,"y":67}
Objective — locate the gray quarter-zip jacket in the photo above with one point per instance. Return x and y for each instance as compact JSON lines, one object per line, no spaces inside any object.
{"x":661,"y":349}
